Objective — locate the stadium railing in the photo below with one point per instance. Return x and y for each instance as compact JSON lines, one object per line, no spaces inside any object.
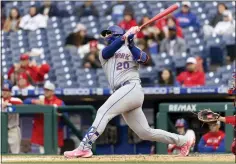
{"x":50,"y":123}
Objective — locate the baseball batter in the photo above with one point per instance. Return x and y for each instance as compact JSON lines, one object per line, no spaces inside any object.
{"x":120,"y":60}
{"x":14,"y":134}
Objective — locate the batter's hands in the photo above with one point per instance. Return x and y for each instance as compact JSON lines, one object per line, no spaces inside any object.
{"x":132,"y":30}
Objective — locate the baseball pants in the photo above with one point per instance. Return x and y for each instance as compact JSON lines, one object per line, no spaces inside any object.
{"x":14,"y":140}
{"x":128,"y":101}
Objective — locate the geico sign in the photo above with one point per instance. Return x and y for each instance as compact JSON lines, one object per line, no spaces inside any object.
{"x":155,"y":90}
{"x":79,"y":91}
{"x":182,"y":107}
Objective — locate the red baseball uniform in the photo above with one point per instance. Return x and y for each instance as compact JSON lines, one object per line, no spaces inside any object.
{"x":231,"y":120}
{"x":38,"y":125}
{"x":30,"y":70}
{"x":191,"y":79}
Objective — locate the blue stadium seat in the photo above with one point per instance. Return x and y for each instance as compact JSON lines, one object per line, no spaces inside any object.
{"x":67,"y":84}
{"x":148,"y":76}
{"x":229,"y":39}
{"x":215,"y":41}
{"x":100,"y":72}
{"x":87,"y":83}
{"x":78,"y":3}
{"x":214,"y":82}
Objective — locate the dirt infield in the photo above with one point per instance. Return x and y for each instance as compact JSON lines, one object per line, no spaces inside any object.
{"x":193,"y":158}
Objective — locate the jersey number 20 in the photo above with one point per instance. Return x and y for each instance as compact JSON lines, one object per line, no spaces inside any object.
{"x":124,"y":65}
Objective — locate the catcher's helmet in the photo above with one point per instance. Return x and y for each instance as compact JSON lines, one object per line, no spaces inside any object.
{"x":181,"y":123}
{"x":114,"y":30}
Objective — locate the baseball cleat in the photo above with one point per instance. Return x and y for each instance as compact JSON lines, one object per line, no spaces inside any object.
{"x":78,"y":153}
{"x":185,"y":149}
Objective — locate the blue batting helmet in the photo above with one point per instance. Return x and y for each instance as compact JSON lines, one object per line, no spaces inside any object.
{"x":114,"y":32}
{"x":181,"y":123}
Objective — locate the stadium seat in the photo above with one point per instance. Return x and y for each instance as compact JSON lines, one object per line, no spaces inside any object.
{"x":66,"y":60}
{"x":214,"y":82}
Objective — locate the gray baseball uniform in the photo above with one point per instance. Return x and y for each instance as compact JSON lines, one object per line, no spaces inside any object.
{"x":122,"y":73}
{"x":14,"y":133}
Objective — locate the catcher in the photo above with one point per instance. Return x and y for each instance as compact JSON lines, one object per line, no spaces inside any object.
{"x":208,"y":116}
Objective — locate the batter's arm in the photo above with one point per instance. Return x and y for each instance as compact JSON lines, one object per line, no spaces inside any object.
{"x":140,"y":56}
{"x":110,"y":50}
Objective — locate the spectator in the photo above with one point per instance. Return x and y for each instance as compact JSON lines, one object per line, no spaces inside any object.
{"x":12,"y":22}
{"x":27,"y":73}
{"x":79,"y":36}
{"x":192,"y":77}
{"x":43,"y":69}
{"x":128,"y":21}
{"x":143,"y":32}
{"x":25,"y":69}
{"x":87,"y":9}
{"x":33,"y":20}
{"x":118,"y":9}
{"x":86,"y":49}
{"x":227,"y":26}
{"x":182,"y":129}
{"x":213,"y":141}
{"x":149,"y":32}
{"x":186,"y":18}
{"x":23,"y":83}
{"x":173,"y":45}
{"x":221,"y":7}
{"x":49,"y":9}
{"x":199,"y":64}
{"x":167,"y":22}
{"x":151,"y":35}
{"x":91,"y":59}
{"x":14,"y":133}
{"x":166,"y":78}
{"x":49,"y":98}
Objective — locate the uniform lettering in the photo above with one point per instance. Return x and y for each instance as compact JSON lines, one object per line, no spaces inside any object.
{"x":122,"y":56}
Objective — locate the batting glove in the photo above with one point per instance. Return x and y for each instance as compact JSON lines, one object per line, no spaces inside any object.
{"x":132,"y":30}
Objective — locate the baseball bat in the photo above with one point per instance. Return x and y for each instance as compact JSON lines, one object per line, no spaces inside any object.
{"x":161,"y":14}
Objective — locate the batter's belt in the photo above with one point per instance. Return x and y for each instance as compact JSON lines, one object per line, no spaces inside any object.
{"x":125,"y":83}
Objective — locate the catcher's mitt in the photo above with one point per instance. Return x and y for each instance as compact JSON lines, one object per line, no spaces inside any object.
{"x":207,"y":116}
